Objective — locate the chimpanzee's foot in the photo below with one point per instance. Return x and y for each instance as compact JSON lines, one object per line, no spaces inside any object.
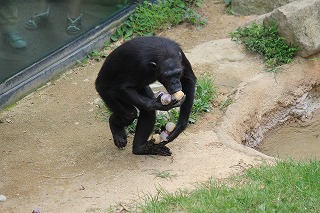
{"x":153,"y":149}
{"x":119,"y":137}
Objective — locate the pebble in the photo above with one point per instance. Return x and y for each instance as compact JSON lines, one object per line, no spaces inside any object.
{"x":2,"y":198}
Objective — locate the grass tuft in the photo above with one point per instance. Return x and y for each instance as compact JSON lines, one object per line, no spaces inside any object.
{"x":205,"y":93}
{"x":267,"y":42}
{"x":150,"y":18}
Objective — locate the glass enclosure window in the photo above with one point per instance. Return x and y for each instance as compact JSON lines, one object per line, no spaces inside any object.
{"x":32,"y":29}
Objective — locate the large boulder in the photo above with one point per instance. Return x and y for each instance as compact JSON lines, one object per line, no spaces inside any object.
{"x":299,"y":24}
{"x":249,"y":7}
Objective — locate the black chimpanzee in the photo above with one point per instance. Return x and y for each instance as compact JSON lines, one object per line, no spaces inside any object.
{"x":123,"y":84}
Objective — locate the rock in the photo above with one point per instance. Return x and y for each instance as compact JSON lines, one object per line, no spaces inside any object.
{"x":299,"y":24}
{"x":36,"y":210}
{"x":2,"y":198}
{"x":249,"y":7}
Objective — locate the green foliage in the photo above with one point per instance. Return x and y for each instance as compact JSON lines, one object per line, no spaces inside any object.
{"x":149,"y":18}
{"x":131,"y":129}
{"x":285,"y":187}
{"x":95,"y":55}
{"x":164,"y":174}
{"x":205,"y":92}
{"x":228,"y":8}
{"x":197,"y":3}
{"x":267,"y":42}
{"x":225,"y":103}
{"x":227,"y":2}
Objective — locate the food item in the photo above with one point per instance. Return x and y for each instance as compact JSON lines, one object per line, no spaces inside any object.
{"x":157,"y":138}
{"x":164,"y":134}
{"x":170,"y":126}
{"x":178,"y":95}
{"x":165,"y":99}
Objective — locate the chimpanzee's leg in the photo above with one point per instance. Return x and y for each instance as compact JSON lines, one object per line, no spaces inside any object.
{"x":117,"y":123}
{"x":146,"y":120}
{"x":122,"y":115}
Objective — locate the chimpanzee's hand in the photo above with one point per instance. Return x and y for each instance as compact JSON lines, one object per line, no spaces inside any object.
{"x":174,"y":103}
{"x":176,"y":132}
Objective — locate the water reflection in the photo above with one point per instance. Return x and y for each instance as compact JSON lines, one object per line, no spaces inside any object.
{"x":41,"y":16}
{"x":46,"y":26}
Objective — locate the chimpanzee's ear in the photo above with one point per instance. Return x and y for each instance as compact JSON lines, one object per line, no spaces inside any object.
{"x":153,"y":65}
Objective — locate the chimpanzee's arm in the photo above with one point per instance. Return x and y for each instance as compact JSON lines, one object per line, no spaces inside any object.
{"x":188,"y":82}
{"x":133,"y":97}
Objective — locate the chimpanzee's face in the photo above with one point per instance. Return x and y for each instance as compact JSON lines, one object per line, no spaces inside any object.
{"x":169,"y":73}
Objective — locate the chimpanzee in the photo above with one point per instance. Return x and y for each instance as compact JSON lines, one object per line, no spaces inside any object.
{"x":123,"y":84}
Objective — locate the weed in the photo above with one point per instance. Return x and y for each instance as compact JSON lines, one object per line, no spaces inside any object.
{"x":103,"y":112}
{"x":314,"y":59}
{"x":274,"y":70}
{"x":205,"y":92}
{"x":229,"y":10}
{"x":149,"y":18}
{"x":164,"y":174}
{"x":267,"y":42}
{"x":197,"y":3}
{"x":227,"y":2}
{"x":95,"y":55}
{"x":225,"y":103}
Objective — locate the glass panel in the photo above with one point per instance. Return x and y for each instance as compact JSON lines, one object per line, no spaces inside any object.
{"x":46,"y":26}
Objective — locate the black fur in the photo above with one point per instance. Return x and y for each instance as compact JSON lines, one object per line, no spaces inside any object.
{"x":123,"y":84}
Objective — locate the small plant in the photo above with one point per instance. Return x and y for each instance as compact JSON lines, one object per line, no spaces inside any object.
{"x":228,"y":8}
{"x":267,"y":42}
{"x":227,"y":2}
{"x":225,"y":103}
{"x":149,"y":18}
{"x":164,"y":174}
{"x":205,"y":92}
{"x":103,"y":112}
{"x":95,"y":55}
{"x":197,"y":3}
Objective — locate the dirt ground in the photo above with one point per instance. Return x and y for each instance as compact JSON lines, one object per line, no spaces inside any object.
{"x":56,"y":148}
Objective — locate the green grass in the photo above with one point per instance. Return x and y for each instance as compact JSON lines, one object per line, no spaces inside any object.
{"x":285,"y":187}
{"x":150,"y":18}
{"x":205,"y":93}
{"x":164,"y":174}
{"x":224,"y":104}
{"x":267,"y":42}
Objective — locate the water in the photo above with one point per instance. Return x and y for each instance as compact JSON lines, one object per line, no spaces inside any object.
{"x":297,"y":140}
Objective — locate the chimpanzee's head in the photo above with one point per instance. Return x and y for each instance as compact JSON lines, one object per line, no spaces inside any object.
{"x":169,"y":70}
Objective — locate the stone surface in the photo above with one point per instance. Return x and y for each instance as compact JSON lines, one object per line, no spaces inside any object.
{"x":248,"y":7}
{"x":299,"y":23}
{"x":3,"y":198}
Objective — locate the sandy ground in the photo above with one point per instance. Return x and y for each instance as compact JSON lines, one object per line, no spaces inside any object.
{"x":56,"y":148}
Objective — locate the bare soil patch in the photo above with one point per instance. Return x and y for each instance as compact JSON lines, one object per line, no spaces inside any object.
{"x":57,"y":153}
